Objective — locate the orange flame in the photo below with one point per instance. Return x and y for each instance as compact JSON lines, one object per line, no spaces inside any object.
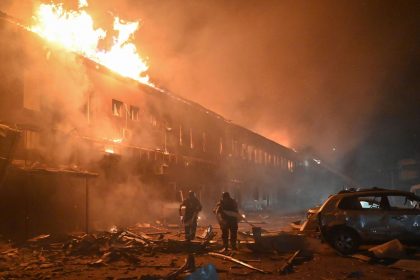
{"x":74,"y":30}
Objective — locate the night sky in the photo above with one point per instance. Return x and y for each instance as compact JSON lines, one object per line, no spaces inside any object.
{"x":394,"y":133}
{"x":337,"y":77}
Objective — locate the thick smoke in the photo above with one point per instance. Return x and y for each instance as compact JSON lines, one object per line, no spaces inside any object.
{"x":59,"y":84}
{"x":301,"y":73}
{"x":304,"y":74}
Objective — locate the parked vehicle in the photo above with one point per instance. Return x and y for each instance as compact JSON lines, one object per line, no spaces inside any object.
{"x":353,"y":217}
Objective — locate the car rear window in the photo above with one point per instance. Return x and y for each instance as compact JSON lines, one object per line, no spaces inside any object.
{"x":361,"y":202}
{"x":403,"y":202}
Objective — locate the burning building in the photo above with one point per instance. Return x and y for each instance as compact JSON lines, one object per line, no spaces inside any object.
{"x":80,"y":120}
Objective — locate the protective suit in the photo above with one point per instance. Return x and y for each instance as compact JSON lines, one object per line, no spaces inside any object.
{"x":227,"y":214}
{"x":192,"y":207}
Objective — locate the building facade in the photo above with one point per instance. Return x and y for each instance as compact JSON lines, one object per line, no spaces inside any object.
{"x":146,"y":144}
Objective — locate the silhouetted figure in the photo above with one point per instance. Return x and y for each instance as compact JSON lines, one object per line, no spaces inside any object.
{"x":189,"y":219}
{"x":227,"y":214}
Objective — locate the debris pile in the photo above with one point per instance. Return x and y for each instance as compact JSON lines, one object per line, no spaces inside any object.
{"x":116,"y":245}
{"x":155,"y":252}
{"x":136,"y":251}
{"x":282,"y":242}
{"x":393,"y":254}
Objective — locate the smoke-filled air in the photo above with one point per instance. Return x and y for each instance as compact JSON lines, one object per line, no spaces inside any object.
{"x":300,"y":73}
{"x":252,"y":139}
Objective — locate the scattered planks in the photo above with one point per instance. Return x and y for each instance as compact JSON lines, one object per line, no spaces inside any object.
{"x":224,"y":257}
{"x":288,"y":266}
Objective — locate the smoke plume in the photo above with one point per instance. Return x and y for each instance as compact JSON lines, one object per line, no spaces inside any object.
{"x":301,"y":73}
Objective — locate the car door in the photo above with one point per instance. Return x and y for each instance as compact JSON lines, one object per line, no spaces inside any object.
{"x":365,"y":214}
{"x":373,"y":217}
{"x":403,"y":217}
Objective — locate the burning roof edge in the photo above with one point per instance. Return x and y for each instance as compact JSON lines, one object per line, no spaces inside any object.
{"x":151,"y":87}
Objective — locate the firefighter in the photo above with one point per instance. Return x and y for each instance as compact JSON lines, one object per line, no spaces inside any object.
{"x":228,"y":215}
{"x":192,"y":207}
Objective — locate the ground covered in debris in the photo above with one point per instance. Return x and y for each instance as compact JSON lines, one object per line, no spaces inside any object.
{"x":148,"y":251}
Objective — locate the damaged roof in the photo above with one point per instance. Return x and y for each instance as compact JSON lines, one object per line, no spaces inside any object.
{"x":157,"y":90}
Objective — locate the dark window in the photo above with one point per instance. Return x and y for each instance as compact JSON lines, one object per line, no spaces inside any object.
{"x":204,"y":140}
{"x":256,"y":194}
{"x":235,"y":151}
{"x":350,"y":203}
{"x":32,"y":139}
{"x":250,"y":153}
{"x":244,"y":151}
{"x":134,"y":113}
{"x":117,"y":108}
{"x":290,"y":165}
{"x":153,"y":120}
{"x":180,"y":135}
{"x":283,"y":163}
{"x":191,"y":139}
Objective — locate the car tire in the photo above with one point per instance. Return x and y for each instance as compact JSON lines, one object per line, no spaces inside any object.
{"x":345,"y":240}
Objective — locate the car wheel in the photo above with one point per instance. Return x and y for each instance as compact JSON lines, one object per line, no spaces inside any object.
{"x":345,"y":241}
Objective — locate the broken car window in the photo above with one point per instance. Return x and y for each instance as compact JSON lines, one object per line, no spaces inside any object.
{"x":370,"y":202}
{"x":403,"y":202}
{"x":364,"y":202}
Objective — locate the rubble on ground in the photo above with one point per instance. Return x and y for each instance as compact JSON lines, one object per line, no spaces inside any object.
{"x":389,"y":250}
{"x":392,"y":254}
{"x":282,"y":242}
{"x":117,"y":244}
{"x":158,"y":252}
{"x":229,"y":258}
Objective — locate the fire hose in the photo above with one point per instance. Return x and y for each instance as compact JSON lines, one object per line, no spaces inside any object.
{"x":256,"y":231}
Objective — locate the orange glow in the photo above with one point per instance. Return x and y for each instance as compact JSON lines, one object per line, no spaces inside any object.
{"x":280,"y":137}
{"x":74,"y":30}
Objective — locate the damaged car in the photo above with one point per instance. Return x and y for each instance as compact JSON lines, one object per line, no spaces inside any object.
{"x":354,"y":217}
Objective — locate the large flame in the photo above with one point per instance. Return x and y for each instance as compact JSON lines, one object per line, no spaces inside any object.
{"x":75,"y":31}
